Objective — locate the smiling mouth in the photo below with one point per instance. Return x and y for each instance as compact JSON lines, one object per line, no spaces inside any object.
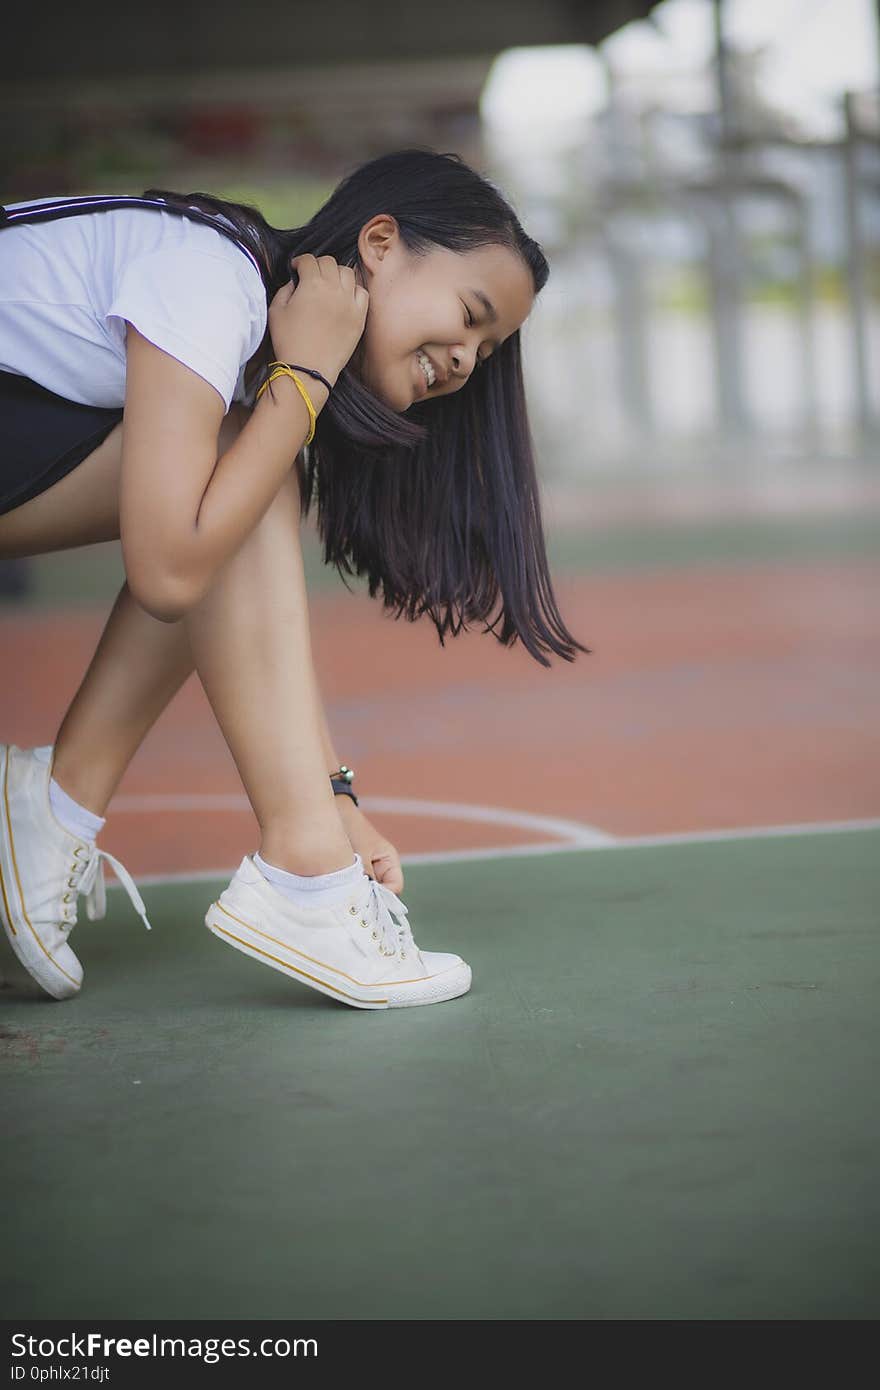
{"x":426,"y":367}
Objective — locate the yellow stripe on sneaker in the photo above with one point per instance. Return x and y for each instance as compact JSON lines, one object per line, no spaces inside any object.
{"x":287,"y":966}
{"x":364,"y":984}
{"x":46,"y":953}
{"x":6,"y":906}
{"x":6,"y":903}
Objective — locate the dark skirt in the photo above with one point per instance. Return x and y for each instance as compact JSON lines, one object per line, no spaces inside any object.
{"x":43,"y":437}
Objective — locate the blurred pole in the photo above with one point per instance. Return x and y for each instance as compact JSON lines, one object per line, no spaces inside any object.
{"x":722,"y":73}
{"x":626,"y":272}
{"x":806,"y":323}
{"x":855,"y":270}
{"x":725,"y":254}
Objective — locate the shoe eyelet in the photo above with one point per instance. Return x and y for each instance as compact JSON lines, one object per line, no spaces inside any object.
{"x":66,"y":898}
{"x":365,"y":924}
{"x":374,"y":936}
{"x":353,"y":911}
{"x":403,"y":955}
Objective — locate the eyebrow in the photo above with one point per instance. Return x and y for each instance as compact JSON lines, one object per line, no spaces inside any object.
{"x":490,"y":310}
{"x":487,"y":305}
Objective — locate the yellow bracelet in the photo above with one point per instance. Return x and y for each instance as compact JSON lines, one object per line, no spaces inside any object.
{"x":282,"y":370}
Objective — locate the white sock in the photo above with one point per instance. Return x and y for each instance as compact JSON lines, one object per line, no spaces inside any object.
{"x":75,"y":818}
{"x":318,"y":890}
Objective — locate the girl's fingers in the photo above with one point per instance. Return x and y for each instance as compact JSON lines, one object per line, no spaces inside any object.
{"x":305,"y":261}
{"x":324,"y":265}
{"x":306,"y":266}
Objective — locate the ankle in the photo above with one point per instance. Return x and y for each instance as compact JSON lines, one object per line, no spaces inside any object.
{"x":307,"y":860}
{"x":82,"y":785}
{"x":68,"y":812}
{"x":314,"y":890}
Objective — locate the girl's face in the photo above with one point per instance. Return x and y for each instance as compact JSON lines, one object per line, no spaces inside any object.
{"x":454,"y":307}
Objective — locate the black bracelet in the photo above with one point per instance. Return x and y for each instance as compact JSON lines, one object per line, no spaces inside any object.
{"x":309,"y":371}
{"x":341,"y":781}
{"x":342,"y":788}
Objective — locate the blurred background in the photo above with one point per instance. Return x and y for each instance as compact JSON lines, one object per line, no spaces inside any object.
{"x":655,"y":1101}
{"x":704,"y":176}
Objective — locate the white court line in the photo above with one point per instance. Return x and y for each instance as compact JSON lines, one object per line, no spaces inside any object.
{"x":574,"y":832}
{"x":745,"y":832}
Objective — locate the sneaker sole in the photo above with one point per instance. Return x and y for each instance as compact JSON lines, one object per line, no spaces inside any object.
{"x":435,"y":989}
{"x":20,"y":933}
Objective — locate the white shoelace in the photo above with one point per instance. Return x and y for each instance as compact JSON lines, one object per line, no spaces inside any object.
{"x":377,"y":908}
{"x":88,"y":878}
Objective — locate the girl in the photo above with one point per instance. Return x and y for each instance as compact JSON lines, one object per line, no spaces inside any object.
{"x":189,"y":384}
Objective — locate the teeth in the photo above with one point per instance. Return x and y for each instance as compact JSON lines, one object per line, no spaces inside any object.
{"x":425,"y":364}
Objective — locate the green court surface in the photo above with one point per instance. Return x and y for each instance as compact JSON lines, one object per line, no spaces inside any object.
{"x":659,"y":1100}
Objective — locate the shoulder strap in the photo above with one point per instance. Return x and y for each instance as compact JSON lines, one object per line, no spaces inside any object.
{"x":73,"y":207}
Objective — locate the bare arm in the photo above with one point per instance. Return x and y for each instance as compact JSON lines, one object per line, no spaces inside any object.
{"x":380,"y":858}
{"x":330,"y":757}
{"x":182,"y":511}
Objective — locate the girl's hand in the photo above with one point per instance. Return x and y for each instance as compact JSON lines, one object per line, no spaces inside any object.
{"x":320,"y":320}
{"x":380,"y":858}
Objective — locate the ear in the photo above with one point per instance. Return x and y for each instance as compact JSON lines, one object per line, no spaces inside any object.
{"x":377,"y":237}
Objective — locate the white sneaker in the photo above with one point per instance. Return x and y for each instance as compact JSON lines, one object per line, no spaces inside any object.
{"x":354,"y":951}
{"x":42,"y":869}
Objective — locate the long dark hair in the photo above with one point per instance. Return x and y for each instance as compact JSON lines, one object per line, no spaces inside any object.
{"x":440,"y":508}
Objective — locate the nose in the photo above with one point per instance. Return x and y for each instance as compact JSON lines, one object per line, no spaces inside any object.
{"x":462,"y":362}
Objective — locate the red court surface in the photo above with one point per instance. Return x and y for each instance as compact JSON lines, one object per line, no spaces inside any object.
{"x":714,"y":699}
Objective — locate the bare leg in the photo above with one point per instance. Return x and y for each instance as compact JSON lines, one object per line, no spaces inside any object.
{"x":251,"y":644}
{"x":249,"y":640}
{"x":139,"y":662}
{"x":138,"y":666}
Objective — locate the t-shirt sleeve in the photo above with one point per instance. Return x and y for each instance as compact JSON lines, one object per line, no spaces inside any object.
{"x":202,"y":309}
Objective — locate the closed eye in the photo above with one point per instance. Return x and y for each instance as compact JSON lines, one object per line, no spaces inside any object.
{"x":469,"y":322}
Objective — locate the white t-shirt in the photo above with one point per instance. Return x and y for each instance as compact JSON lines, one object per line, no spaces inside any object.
{"x":67,"y":287}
